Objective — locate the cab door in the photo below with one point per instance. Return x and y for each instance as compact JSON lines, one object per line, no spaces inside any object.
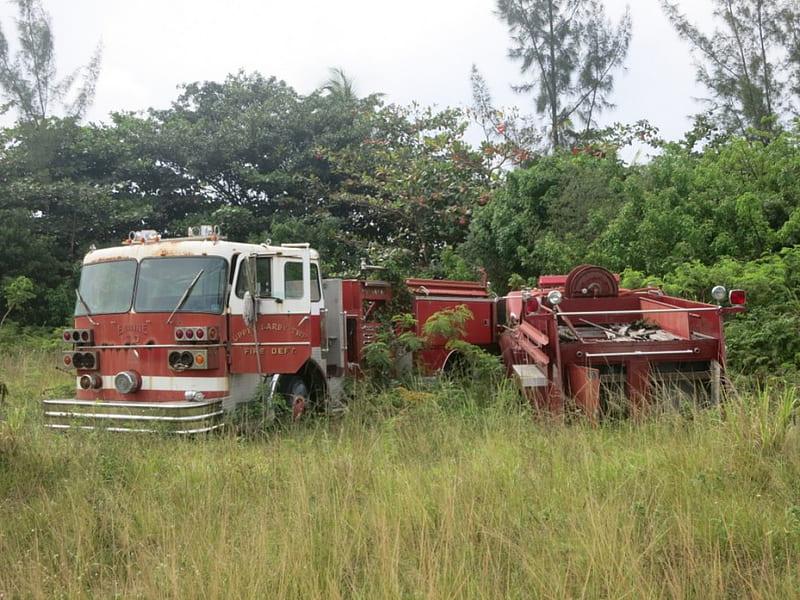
{"x":271,"y":313}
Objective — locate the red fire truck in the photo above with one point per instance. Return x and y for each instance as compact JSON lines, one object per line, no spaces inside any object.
{"x":580,"y":341}
{"x":173,"y":333}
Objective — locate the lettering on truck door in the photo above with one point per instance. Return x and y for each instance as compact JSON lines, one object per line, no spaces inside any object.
{"x":280,"y":338}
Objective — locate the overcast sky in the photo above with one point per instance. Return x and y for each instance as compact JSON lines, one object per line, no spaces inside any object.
{"x":416,"y":50}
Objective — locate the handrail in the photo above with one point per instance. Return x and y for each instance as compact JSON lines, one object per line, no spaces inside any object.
{"x":635,"y":353}
{"x":637,"y":312}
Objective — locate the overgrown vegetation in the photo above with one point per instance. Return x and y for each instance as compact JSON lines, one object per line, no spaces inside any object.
{"x":425,"y":490}
{"x":422,"y":491}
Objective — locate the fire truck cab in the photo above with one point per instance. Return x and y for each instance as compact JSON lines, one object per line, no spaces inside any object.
{"x":172,"y":333}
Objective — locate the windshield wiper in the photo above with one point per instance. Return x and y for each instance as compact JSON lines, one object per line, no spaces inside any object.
{"x":188,"y":291}
{"x":85,"y":306}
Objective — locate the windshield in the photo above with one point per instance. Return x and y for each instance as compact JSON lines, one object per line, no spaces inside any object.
{"x":163,"y":283}
{"x":106,"y":287}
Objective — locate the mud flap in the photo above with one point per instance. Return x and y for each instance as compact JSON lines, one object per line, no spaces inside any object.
{"x":638,"y":385}
{"x":584,"y":385}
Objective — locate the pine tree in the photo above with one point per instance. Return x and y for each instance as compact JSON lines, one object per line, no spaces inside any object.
{"x":28,"y":79}
{"x":750,"y":64}
{"x":570,"y":50}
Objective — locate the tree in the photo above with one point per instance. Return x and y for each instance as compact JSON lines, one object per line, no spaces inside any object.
{"x":17,"y":292}
{"x":547,"y":216}
{"x":570,"y":50}
{"x":341,"y":87}
{"x":60,"y":192}
{"x":513,"y":137}
{"x":249,"y":154}
{"x":410,"y":186}
{"x":28,"y":79}
{"x":750,"y":65}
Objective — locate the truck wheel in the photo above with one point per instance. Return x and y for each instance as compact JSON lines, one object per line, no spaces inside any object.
{"x":296,"y":396}
{"x":457,"y":368}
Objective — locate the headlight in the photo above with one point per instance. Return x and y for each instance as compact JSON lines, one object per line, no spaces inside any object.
{"x":127,"y":382}
{"x":719,"y":293}
{"x":555,"y":297}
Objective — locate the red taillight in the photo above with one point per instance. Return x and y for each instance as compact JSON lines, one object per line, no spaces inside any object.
{"x":531,"y":305}
{"x":737,"y":297}
{"x":67,"y":359}
{"x":189,"y":334}
{"x":179,"y":334}
{"x":77,"y":336}
{"x":200,"y":334}
{"x":212,"y":333}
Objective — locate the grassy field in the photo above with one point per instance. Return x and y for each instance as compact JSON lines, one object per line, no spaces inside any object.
{"x":442,"y":493}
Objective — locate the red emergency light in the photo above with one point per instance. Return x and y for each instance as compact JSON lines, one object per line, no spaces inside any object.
{"x":77,"y":336}
{"x":737,"y":297}
{"x":196,"y":334}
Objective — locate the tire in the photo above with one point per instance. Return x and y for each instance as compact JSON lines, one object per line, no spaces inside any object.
{"x":294,"y":398}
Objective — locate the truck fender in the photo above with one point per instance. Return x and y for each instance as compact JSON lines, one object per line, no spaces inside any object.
{"x":452,"y":361}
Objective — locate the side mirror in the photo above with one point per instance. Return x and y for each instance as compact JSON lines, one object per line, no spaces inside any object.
{"x":251,"y":297}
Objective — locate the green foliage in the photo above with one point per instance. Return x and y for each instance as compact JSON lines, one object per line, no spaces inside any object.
{"x":475,"y":368}
{"x":57,"y":197}
{"x":28,"y":338}
{"x":379,"y":362}
{"x":546,"y":217}
{"x":16,"y":292}
{"x":471,"y":363}
{"x":386,"y":358}
{"x":687,"y":221}
{"x":448,"y":324}
{"x":737,"y":200}
{"x":454,"y":266}
{"x":401,"y":187}
{"x":413,"y":183}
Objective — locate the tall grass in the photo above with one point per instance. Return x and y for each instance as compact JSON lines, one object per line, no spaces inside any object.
{"x":419,"y":492}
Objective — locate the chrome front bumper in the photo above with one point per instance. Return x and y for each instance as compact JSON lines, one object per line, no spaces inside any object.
{"x":169,"y":417}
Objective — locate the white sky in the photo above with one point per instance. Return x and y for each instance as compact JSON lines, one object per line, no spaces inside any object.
{"x":415,"y":50}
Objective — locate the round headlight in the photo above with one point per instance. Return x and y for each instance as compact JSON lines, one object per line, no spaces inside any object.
{"x":719,"y":293}
{"x":555,"y":297}
{"x":127,"y":382}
